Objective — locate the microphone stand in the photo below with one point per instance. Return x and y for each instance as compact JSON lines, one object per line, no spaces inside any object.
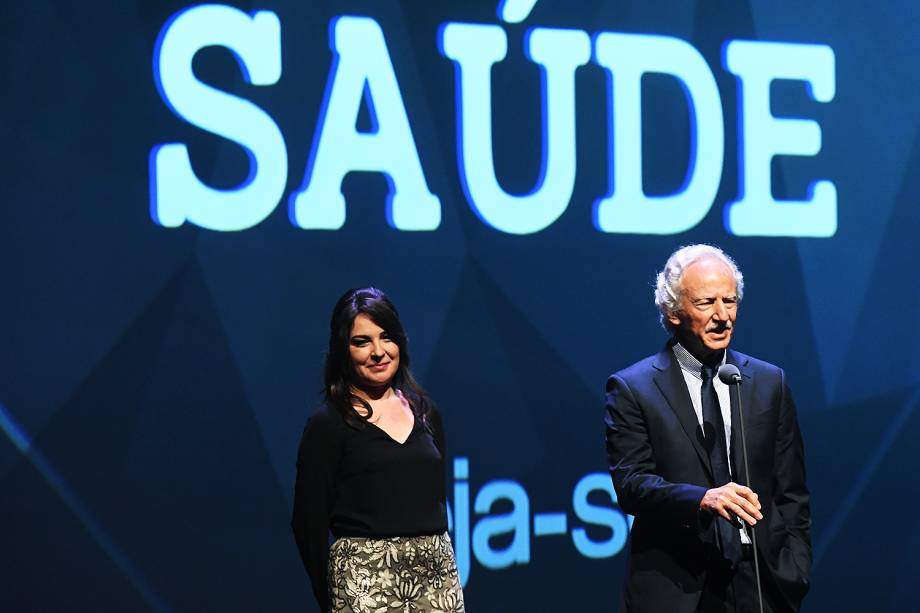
{"x":735,"y":378}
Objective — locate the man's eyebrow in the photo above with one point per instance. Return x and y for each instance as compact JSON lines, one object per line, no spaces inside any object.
{"x":701,"y":299}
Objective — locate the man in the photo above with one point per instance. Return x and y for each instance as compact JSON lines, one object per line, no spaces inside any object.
{"x":675,"y":452}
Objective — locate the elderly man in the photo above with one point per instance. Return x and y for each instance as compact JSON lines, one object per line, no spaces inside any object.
{"x":675,"y":452}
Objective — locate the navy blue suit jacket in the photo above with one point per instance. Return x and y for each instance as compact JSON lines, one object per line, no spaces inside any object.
{"x":661,"y":471}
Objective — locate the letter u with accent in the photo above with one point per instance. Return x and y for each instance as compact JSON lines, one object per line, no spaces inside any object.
{"x":475,"y":48}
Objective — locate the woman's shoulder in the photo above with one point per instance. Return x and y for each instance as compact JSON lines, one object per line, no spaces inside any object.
{"x":428,"y":408}
{"x":323,"y":434}
{"x":325,"y":419}
{"x":434,"y":421}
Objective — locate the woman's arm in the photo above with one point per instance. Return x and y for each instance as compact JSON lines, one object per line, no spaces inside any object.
{"x":317,"y":461}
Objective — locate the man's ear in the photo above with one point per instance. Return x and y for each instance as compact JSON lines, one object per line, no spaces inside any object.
{"x":674,"y":319}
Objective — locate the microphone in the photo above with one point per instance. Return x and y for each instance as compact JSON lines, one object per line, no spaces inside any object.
{"x":731,"y":376}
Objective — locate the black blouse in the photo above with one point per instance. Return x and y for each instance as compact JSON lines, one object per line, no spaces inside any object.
{"x":361,"y":482}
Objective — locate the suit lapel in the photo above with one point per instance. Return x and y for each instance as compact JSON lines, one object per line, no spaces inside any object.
{"x":747,"y":394}
{"x":670,"y":380}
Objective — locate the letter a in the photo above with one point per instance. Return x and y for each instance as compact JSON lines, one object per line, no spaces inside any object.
{"x":362,"y":60}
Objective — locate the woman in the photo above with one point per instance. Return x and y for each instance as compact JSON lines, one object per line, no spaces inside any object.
{"x":371,"y":470}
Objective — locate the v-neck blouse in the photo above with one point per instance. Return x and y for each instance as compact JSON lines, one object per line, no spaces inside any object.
{"x":362,"y":482}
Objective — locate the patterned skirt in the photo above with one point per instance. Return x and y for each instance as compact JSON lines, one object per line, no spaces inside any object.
{"x":394,"y":575}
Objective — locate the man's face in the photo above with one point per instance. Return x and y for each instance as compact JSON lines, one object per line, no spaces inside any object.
{"x":707,"y":309}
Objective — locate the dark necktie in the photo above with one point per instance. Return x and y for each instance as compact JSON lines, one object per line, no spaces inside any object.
{"x":714,"y":433}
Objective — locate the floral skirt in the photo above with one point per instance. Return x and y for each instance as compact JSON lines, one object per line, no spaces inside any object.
{"x":397,"y":575}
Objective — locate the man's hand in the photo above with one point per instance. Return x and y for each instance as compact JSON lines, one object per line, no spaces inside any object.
{"x":732,"y":500}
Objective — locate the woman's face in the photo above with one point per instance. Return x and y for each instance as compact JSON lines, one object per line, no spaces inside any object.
{"x":374,"y":355}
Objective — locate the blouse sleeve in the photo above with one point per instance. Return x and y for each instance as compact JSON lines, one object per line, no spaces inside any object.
{"x":314,"y":487}
{"x":440,"y":441}
{"x":437,"y":431}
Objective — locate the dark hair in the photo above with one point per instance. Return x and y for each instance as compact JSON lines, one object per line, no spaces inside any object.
{"x":339,"y":373}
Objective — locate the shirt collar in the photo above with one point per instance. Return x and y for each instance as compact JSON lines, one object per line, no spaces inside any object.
{"x":688,"y":363}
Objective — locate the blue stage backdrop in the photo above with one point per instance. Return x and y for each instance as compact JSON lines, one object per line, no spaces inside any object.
{"x":187,"y":189}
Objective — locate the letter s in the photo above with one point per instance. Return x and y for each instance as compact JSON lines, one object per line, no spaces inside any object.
{"x":176,"y":194}
{"x":599,"y":515}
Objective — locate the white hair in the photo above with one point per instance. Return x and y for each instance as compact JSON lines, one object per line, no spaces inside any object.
{"x":668,"y":282}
